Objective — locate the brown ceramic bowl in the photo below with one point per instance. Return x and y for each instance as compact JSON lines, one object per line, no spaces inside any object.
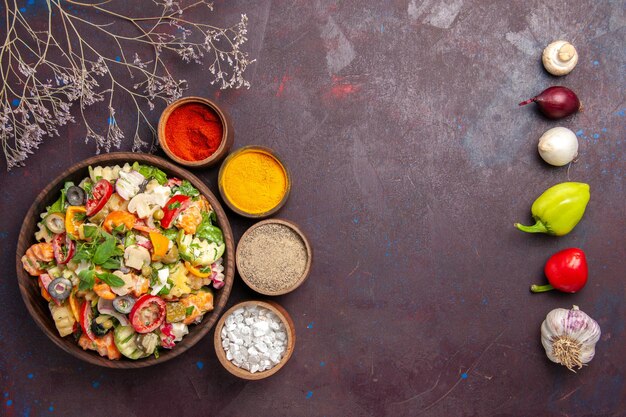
{"x":299,"y":281}
{"x":227,"y":137}
{"x":224,"y":195}
{"x":291,"y":340}
{"x":38,"y":307}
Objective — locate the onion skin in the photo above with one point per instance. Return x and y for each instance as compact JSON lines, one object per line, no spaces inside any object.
{"x":556,"y":102}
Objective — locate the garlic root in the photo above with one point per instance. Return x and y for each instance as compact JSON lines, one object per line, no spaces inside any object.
{"x":569,"y":337}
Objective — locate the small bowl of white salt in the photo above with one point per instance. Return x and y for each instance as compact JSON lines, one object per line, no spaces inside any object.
{"x":254,"y":339}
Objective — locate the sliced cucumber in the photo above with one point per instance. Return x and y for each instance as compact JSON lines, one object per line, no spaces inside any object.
{"x":126,"y":343}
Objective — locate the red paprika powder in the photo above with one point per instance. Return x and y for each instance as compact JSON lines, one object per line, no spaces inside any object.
{"x":193,"y":131}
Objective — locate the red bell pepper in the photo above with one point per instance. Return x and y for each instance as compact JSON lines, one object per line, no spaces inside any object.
{"x":173,"y":208}
{"x":566,"y":271}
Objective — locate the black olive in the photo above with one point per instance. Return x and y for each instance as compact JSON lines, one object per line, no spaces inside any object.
{"x":124,"y":304}
{"x":75,"y":196}
{"x":60,"y":288}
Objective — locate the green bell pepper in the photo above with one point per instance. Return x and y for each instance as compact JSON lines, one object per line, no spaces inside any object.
{"x":559,"y":209}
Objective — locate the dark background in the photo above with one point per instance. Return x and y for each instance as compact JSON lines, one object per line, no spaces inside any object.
{"x":410,"y":162}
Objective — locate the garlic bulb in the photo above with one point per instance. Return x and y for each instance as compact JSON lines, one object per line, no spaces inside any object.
{"x":569,"y":337}
{"x":558,"y":146}
{"x":559,"y":58}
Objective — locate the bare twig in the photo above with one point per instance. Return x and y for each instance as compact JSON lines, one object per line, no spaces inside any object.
{"x":44,"y":72}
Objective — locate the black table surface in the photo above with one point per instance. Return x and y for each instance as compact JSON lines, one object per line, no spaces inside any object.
{"x":411,"y":161}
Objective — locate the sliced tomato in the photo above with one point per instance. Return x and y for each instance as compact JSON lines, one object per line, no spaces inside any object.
{"x":173,"y":208}
{"x":86,"y":315}
{"x":147,"y":314}
{"x":63,"y":248}
{"x":100,"y":194}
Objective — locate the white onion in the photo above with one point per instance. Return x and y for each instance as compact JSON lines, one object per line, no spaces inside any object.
{"x":558,"y":146}
{"x":128,"y":184}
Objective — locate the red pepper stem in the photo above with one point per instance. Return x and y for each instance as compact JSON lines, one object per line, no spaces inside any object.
{"x":530,"y":100}
{"x":541,"y":288}
{"x":538,"y":227}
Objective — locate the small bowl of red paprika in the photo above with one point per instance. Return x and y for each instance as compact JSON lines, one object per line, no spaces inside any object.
{"x":195,"y":132}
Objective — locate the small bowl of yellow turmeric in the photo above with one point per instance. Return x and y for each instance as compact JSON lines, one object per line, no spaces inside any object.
{"x":254,"y":182}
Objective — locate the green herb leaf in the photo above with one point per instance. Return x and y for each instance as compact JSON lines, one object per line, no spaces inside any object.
{"x":87,"y":186}
{"x":112,"y":263}
{"x":105,"y":251}
{"x":111,"y":279}
{"x":170,"y":233}
{"x":189,"y":311}
{"x":120,"y":228}
{"x":151,"y":173}
{"x":166,"y":289}
{"x":90,"y":231}
{"x":174,"y":205}
{"x":84,"y":252}
{"x":79,"y":216}
{"x":207,"y":231}
{"x":57,"y":207}
{"x":87,"y":279}
{"x":185,"y":188}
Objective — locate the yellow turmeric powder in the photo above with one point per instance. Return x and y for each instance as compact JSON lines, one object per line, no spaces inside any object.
{"x":254,"y":181}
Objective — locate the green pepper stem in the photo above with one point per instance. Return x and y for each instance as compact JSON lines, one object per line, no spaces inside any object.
{"x":538,"y":227}
{"x":541,"y":288}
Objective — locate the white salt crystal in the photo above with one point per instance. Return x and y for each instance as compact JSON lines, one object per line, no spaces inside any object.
{"x":254,"y":339}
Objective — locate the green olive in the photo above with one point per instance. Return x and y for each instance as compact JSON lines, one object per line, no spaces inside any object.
{"x":55,"y":222}
{"x":158,"y":214}
{"x":146,"y":270}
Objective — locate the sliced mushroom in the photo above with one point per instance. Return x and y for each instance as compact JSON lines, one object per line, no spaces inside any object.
{"x":136,"y":257}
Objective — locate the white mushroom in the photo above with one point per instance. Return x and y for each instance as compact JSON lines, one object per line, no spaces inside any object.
{"x":136,"y":256}
{"x":145,"y":204}
{"x":129,"y":282}
{"x":559,"y":58}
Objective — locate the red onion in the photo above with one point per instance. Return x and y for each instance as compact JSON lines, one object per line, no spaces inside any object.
{"x":556,"y":102}
{"x":106,"y":307}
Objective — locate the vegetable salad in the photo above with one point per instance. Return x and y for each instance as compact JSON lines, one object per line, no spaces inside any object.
{"x":127,"y":259}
